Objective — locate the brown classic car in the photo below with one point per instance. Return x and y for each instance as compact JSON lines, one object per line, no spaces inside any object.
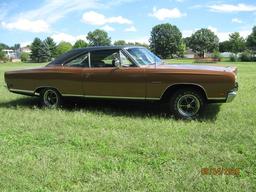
{"x":126,"y":72}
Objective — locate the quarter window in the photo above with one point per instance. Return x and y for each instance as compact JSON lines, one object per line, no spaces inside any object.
{"x":80,"y":61}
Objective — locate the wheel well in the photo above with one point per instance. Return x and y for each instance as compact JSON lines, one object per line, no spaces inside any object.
{"x":39,"y":89}
{"x":172,"y":89}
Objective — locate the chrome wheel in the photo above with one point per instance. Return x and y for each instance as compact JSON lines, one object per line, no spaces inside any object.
{"x":188,"y":105}
{"x":51,"y":98}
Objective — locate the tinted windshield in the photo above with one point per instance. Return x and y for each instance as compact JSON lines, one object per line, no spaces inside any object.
{"x":143,"y":56}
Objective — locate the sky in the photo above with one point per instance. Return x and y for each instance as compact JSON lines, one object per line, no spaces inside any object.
{"x":131,"y":20}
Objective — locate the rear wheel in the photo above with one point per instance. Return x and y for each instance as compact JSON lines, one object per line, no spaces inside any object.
{"x":187,"y":104}
{"x":50,"y":98}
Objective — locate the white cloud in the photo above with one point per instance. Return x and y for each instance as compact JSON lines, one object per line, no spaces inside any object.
{"x":236,"y":20}
{"x":58,"y":37}
{"x":187,"y":33}
{"x":213,"y":29}
{"x":130,"y":29}
{"x":108,"y":28}
{"x":165,"y":13}
{"x":228,"y":8}
{"x":35,"y":26}
{"x":39,"y":20}
{"x":95,"y":18}
{"x":223,"y":36}
{"x":144,"y":39}
{"x":53,"y":10}
{"x":25,"y":43}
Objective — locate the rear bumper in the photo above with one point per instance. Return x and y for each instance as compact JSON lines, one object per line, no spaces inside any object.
{"x":231,"y":96}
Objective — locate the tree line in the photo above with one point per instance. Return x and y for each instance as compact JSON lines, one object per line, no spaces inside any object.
{"x":165,"y":40}
{"x":43,"y":51}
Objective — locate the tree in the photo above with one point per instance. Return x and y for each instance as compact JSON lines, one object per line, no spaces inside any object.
{"x":3,"y":46}
{"x":36,"y":50}
{"x":203,"y":41}
{"x":45,"y":52}
{"x":251,"y":40}
{"x":40,"y":51}
{"x":98,"y":38}
{"x":120,"y":42}
{"x":181,"y":49}
{"x":186,"y":40}
{"x":16,"y":46}
{"x":52,"y":47}
{"x":225,"y":46}
{"x":24,"y":57}
{"x":165,"y":40}
{"x":80,"y":44}
{"x":237,"y":43}
{"x":63,"y":47}
{"x":2,"y":55}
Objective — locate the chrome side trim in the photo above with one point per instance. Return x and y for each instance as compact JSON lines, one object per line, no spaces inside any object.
{"x":72,"y":95}
{"x":110,"y":97}
{"x":21,"y":91}
{"x":216,"y":98}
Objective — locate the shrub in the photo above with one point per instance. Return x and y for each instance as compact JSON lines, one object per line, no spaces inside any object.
{"x":3,"y":58}
{"x":233,"y":57}
{"x":246,"y":56}
{"x":216,"y":55}
{"x":24,"y":57}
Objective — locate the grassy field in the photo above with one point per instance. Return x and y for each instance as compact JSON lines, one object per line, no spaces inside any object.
{"x":126,"y":146}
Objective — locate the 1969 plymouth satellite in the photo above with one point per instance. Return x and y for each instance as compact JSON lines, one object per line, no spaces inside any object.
{"x":126,"y":72}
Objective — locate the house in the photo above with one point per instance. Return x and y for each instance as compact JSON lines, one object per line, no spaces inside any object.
{"x":10,"y":54}
{"x":189,"y":54}
{"x":25,"y":49}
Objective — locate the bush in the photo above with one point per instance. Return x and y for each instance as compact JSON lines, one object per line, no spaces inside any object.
{"x":247,"y":56}
{"x":25,"y":57}
{"x":233,"y":57}
{"x":216,"y":55}
{"x":3,"y":58}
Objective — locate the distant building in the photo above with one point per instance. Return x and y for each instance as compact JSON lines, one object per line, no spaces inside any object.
{"x":10,"y":54}
{"x":25,"y":49}
{"x":225,"y":54}
{"x":189,"y":54}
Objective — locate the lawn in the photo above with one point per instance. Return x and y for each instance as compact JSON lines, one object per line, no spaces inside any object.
{"x":126,"y":146}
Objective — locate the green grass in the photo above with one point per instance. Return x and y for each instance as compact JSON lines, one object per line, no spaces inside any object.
{"x":126,"y":146}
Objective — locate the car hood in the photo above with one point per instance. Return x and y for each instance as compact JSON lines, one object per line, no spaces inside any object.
{"x":197,"y":67}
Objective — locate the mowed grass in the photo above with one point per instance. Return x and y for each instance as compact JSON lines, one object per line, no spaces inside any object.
{"x":126,"y":146}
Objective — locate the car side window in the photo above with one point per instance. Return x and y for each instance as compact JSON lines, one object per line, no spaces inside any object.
{"x":80,"y":61}
{"x":125,"y":61}
{"x":104,"y":58}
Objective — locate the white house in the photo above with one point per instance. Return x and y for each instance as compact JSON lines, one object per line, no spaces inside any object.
{"x":10,"y":54}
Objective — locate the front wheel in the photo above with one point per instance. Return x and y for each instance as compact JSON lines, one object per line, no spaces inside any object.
{"x":50,"y":98}
{"x":187,"y":104}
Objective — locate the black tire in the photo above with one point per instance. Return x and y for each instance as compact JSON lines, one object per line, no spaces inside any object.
{"x":50,"y":98}
{"x":187,"y":104}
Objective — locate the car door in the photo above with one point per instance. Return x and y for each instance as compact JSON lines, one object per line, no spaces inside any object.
{"x":70,"y":76}
{"x":106,"y":79}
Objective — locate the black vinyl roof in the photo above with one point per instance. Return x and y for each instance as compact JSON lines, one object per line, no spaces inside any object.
{"x":76,"y":52}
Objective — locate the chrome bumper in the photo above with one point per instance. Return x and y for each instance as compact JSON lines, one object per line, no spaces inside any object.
{"x":231,"y":96}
